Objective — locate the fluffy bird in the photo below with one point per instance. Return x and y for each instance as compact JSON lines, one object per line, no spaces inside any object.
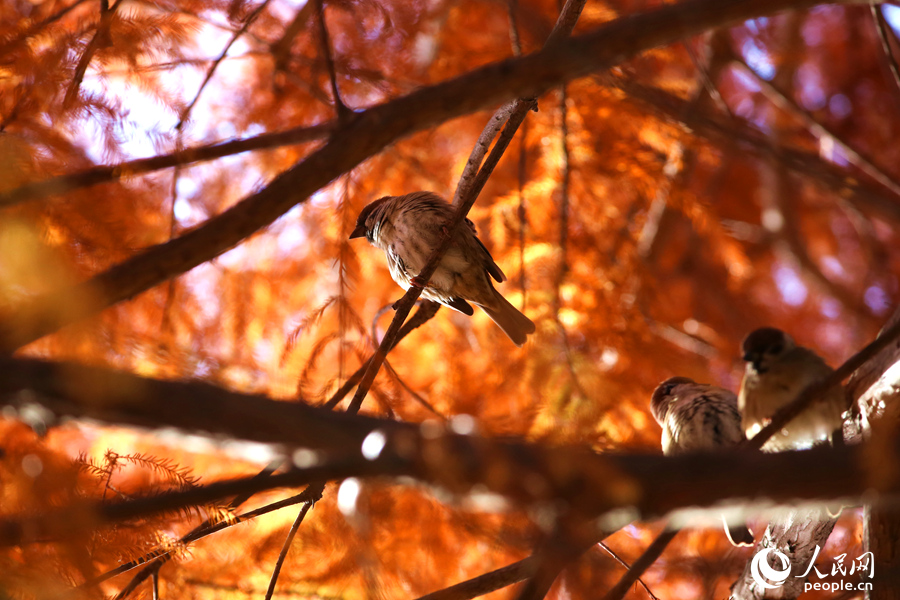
{"x":408,"y":228}
{"x":777,"y":371}
{"x":696,"y":417}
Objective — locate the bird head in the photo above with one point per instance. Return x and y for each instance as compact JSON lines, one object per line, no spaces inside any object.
{"x":368,"y":219}
{"x":764,"y":346}
{"x":664,"y":394}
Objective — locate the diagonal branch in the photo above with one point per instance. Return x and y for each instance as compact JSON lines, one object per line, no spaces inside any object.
{"x":781,"y":99}
{"x":202,"y":532}
{"x":62,"y":184}
{"x":340,"y":108}
{"x":215,"y":64}
{"x":644,"y":562}
{"x":818,"y":390}
{"x":160,"y":558}
{"x":487,"y":583}
{"x":368,"y":133}
{"x":100,"y":40}
{"x":318,"y":489}
{"x":881,"y":27}
{"x":282,"y":48}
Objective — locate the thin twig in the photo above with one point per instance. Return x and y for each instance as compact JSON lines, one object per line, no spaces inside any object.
{"x":339,"y":106}
{"x":643,"y":563}
{"x":106,"y":173}
{"x":215,"y":65}
{"x":101,"y":39}
{"x":819,"y":130}
{"x":565,"y":180}
{"x":393,"y":372}
{"x":881,"y":27}
{"x":622,"y":562}
{"x":707,"y":82}
{"x":521,"y":212}
{"x":319,"y":487}
{"x":160,"y":557}
{"x":427,"y":309}
{"x":817,"y":390}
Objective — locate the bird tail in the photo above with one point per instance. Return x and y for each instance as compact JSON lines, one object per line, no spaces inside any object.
{"x":738,"y":535}
{"x":513,"y":323}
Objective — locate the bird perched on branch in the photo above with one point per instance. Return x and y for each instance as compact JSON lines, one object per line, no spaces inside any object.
{"x":409,"y":228}
{"x":777,"y":371}
{"x":697,"y":417}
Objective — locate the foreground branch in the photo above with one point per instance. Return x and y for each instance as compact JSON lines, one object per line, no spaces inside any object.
{"x":368,"y":133}
{"x":528,"y":475}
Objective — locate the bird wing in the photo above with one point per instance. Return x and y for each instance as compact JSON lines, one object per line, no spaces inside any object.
{"x":489,"y":264}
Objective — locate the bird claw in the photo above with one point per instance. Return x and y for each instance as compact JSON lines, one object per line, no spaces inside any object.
{"x":417,"y":282}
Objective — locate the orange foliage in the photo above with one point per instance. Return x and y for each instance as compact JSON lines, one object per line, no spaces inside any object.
{"x":671,"y":257}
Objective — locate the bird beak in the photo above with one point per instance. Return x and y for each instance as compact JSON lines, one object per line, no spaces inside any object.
{"x":747,"y":357}
{"x":360,"y":231}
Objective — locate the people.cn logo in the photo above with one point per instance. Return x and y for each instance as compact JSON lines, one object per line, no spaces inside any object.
{"x":763,"y":574}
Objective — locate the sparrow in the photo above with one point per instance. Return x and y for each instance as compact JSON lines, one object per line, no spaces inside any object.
{"x":697,"y":417}
{"x":777,"y":370}
{"x":408,"y":228}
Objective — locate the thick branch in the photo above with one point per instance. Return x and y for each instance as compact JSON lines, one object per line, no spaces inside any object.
{"x":526,"y":475}
{"x":71,"y":390}
{"x":368,"y":133}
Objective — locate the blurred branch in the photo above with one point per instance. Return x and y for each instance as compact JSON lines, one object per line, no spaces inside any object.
{"x":487,"y":583}
{"x":521,"y":213}
{"x":101,"y":39}
{"x":590,"y":484}
{"x":514,"y":38}
{"x":72,"y":390}
{"x":571,"y":537}
{"x":881,"y":27}
{"x":728,"y":133}
{"x":103,"y":174}
{"x":644,"y":562}
{"x":785,"y":102}
{"x":367,"y":133}
{"x":339,"y":107}
{"x":282,"y":48}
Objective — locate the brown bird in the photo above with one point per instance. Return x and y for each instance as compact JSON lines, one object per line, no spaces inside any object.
{"x":696,"y":417}
{"x":408,"y":228}
{"x":777,"y":371}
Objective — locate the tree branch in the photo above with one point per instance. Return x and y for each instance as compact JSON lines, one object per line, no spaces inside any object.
{"x":644,"y":562}
{"x":103,"y":174}
{"x":529,"y":475}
